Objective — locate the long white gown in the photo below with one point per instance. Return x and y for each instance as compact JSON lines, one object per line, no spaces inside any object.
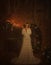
{"x":26,"y":55}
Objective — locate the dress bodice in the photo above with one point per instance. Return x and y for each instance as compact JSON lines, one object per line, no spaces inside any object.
{"x":26,"y":32}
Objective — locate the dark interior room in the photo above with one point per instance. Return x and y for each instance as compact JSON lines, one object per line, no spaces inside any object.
{"x":13,"y":15}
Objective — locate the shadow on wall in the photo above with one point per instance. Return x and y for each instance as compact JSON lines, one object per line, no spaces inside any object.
{"x":10,"y":41}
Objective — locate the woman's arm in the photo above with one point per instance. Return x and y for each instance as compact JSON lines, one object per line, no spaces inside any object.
{"x":29,"y":31}
{"x":23,"y":32}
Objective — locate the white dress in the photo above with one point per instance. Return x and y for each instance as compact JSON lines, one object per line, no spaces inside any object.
{"x":26,"y":54}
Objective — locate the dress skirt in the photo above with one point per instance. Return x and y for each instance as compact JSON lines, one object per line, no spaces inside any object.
{"x":26,"y":55}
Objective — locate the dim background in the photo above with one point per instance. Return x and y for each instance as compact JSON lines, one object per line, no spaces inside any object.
{"x":19,"y":12}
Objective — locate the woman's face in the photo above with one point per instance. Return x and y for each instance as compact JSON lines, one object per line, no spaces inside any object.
{"x":27,"y":25}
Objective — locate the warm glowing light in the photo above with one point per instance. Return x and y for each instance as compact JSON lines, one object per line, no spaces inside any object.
{"x":15,"y":21}
{"x":16,"y":25}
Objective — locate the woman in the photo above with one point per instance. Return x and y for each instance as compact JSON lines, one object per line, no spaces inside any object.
{"x":26,"y":54}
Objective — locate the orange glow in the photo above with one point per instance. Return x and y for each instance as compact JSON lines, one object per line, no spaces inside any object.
{"x":17,"y":22}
